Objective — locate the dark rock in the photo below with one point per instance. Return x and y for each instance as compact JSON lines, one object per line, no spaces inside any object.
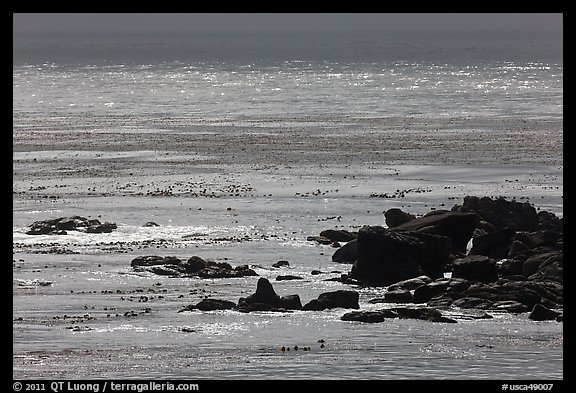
{"x":475,"y":268}
{"x":470,"y":314}
{"x":315,"y":272}
{"x":548,"y":290}
{"x":106,"y":227}
{"x":363,"y":316}
{"x":550,"y":222}
{"x":533,"y":263}
{"x":154,"y":260}
{"x":334,"y":299}
{"x":386,"y":257}
{"x":194,"y":264}
{"x":166,"y":270}
{"x":70,"y":223}
{"x":395,"y":217}
{"x":281,"y":264}
{"x":347,"y":253}
{"x":517,"y":247}
{"x":457,"y":226}
{"x":224,"y":270}
{"x":150,"y":224}
{"x":59,"y":226}
{"x":217,"y":270}
{"x":436,"y":254}
{"x":494,"y":245}
{"x":560,"y":318}
{"x":265,"y":295}
{"x":425,"y":313}
{"x":319,"y":239}
{"x":424,"y":293}
{"x":210,"y":305}
{"x":410,"y":284}
{"x":541,"y":313}
{"x":519,"y":216}
{"x":41,"y":229}
{"x":544,"y":238}
{"x":438,"y":287}
{"x":243,"y":271}
{"x":443,"y":301}
{"x":514,"y":290}
{"x":288,"y":277}
{"x":290,"y":302}
{"x":398,"y":296}
{"x":510,"y":306}
{"x":314,"y":305}
{"x":338,"y":235}
{"x":486,"y":227}
{"x":551,"y":269}
{"x":473,"y":302}
{"x":243,"y":306}
{"x":510,"y":268}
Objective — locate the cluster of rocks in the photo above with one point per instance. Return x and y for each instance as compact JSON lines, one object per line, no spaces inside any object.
{"x":192,"y":267}
{"x":515,"y":262}
{"x":60,"y":226}
{"x":266,"y":299}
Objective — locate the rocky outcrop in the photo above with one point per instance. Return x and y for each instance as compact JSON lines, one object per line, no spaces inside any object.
{"x":515,"y":261}
{"x":455,"y":225}
{"x":410,"y":284}
{"x":60,"y":226}
{"x":511,"y":295}
{"x":386,"y":256}
{"x":193,"y":267}
{"x":424,"y":313}
{"x":519,"y":216}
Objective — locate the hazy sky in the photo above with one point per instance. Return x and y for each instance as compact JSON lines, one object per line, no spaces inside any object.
{"x":170,"y":22}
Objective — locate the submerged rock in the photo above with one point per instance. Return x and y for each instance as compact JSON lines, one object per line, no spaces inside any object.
{"x":210,"y":305}
{"x":193,"y":267}
{"x":338,"y":235}
{"x":281,"y":264}
{"x":363,"y":316}
{"x":424,"y":313}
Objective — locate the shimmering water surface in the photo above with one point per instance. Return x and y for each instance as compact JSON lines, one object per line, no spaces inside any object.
{"x":240,"y":149}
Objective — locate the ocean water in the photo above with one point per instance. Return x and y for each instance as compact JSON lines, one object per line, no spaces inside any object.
{"x":240,"y":146}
